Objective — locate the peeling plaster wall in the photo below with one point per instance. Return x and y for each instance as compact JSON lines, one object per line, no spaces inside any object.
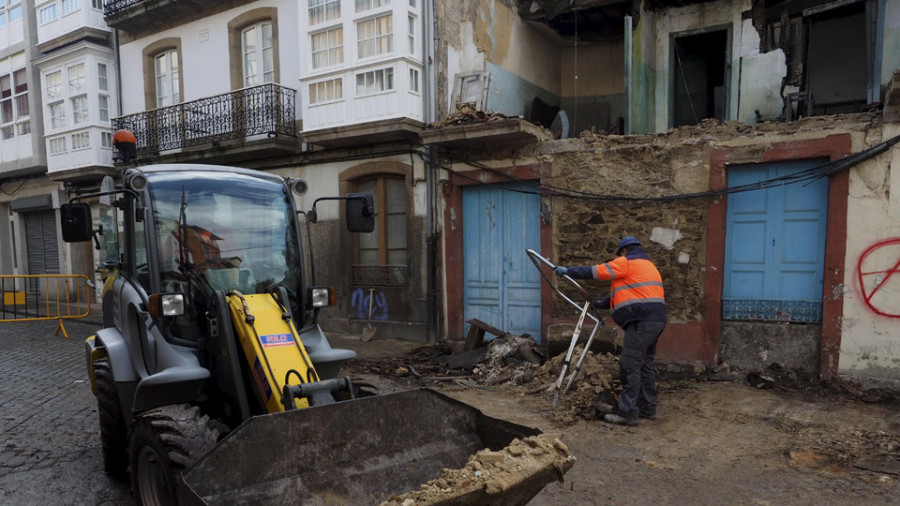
{"x":490,"y":36}
{"x":525,"y":63}
{"x":870,"y":344}
{"x":890,"y":57}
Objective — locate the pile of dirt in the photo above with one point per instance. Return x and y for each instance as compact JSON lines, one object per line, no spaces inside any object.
{"x":512,"y":475}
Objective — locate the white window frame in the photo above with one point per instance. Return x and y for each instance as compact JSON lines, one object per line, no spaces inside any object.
{"x":332,"y":89}
{"x":375,"y":82}
{"x":81,"y":140}
{"x":106,"y":140}
{"x":260,"y":52}
{"x":14,"y":12}
{"x":54,"y":90}
{"x":414,"y":80}
{"x":367,"y":5}
{"x":80,"y":109}
{"x":97,"y":4}
{"x":103,"y":107}
{"x":70,"y":6}
{"x":377,"y":38}
{"x":48,"y":14}
{"x":53,"y":145}
{"x":57,"y":114}
{"x":169,"y":76}
{"x":332,"y":52}
{"x":412,"y":21}
{"x":16,"y":101}
{"x":77,"y":78}
{"x":323,"y":11}
{"x":470,"y":88}
{"x":103,"y":76}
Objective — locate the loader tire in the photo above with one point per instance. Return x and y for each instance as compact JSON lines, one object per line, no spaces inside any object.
{"x":164,"y":442}
{"x":113,"y":429}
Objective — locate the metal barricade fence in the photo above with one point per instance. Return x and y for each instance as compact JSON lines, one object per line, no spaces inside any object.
{"x":33,"y":297}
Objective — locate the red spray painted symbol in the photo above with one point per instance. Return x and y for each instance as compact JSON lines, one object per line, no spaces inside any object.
{"x":878,"y":273}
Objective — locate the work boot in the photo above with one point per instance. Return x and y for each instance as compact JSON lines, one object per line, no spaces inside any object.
{"x":618,"y":420}
{"x":647,"y":416}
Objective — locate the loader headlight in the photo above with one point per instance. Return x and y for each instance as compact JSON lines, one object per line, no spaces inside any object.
{"x":322,"y":296}
{"x":166,"y":304}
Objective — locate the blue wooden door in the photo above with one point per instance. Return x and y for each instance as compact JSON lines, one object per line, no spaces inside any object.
{"x":775,"y":245}
{"x":502,"y":286}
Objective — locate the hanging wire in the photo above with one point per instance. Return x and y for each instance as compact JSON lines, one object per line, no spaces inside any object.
{"x":575,"y":83}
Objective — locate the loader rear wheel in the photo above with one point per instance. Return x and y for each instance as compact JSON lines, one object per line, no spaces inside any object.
{"x":113,"y":431}
{"x":164,"y":442}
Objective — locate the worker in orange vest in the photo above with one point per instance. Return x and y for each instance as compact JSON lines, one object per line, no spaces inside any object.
{"x":637,"y":300}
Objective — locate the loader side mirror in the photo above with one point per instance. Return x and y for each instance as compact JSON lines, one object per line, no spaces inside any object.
{"x":360,"y":212}
{"x":76,"y":222}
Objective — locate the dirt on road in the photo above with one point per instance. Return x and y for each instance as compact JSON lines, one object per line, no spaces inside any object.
{"x":734,"y":437}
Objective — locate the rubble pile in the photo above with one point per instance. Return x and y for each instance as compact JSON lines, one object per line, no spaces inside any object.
{"x":467,"y":114}
{"x":509,"y":473}
{"x":513,"y":362}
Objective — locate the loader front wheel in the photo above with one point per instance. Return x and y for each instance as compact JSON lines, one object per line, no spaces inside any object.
{"x":164,"y":442}
{"x":113,"y":431}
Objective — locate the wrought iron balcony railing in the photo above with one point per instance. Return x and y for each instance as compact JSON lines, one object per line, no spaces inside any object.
{"x":111,"y":7}
{"x":267,"y":109}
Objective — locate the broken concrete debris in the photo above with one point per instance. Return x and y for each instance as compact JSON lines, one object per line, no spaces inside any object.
{"x":505,"y":476}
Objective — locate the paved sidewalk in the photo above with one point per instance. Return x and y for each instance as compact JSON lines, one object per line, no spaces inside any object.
{"x":50,"y":452}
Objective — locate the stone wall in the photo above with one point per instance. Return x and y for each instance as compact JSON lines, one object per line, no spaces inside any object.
{"x":637,"y":173}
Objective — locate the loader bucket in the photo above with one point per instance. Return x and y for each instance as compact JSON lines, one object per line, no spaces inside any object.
{"x":358,"y":452}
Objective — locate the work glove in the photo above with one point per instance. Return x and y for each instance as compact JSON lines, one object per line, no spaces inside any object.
{"x":560,"y":270}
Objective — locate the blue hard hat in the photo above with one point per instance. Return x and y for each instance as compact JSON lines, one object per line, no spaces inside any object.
{"x":627,"y":241}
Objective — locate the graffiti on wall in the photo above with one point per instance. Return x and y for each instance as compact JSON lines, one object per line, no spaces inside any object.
{"x":374,"y":302}
{"x":878,"y":274}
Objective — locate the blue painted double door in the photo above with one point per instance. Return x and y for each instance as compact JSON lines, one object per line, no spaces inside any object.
{"x":775,"y":245}
{"x":502,"y":286}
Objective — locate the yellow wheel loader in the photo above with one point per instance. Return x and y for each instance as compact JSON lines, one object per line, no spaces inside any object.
{"x":214,"y":382}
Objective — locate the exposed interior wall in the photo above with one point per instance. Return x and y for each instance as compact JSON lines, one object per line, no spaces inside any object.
{"x":593,"y":86}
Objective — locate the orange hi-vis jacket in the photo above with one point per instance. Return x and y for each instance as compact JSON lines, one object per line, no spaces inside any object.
{"x":636,"y":291}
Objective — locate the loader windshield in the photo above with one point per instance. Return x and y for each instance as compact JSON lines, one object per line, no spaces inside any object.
{"x":223,"y":231}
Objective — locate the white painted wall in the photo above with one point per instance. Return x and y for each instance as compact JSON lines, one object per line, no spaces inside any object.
{"x":204,"y":59}
{"x":400,"y":102}
{"x":499,"y":36}
{"x":84,"y":16}
{"x":91,"y":56}
{"x":870,"y":342}
{"x":13,"y":32}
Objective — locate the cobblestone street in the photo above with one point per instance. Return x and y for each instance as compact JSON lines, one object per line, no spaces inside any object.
{"x":48,"y":419}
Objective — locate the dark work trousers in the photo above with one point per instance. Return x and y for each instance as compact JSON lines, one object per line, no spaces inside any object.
{"x":636,"y":369}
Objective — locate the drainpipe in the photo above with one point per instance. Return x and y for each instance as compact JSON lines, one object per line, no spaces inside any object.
{"x":429,"y":94}
{"x":118,"y":71}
